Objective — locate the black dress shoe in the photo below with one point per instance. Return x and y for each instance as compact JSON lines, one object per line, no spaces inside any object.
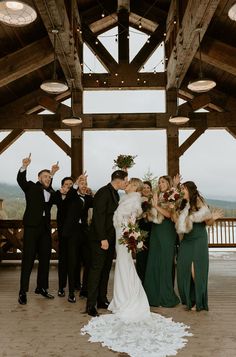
{"x":92,"y":311}
{"x":103,"y":305}
{"x":44,"y":293}
{"x":71,"y":298}
{"x":83,"y":294}
{"x":22,"y":298}
{"x":61,"y":293}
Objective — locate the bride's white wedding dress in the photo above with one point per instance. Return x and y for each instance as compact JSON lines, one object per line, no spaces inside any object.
{"x":131,"y":327}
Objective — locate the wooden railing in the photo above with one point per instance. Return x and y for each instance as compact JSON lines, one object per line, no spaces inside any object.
{"x":222,"y":234}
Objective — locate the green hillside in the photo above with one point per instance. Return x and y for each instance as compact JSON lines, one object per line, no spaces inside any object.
{"x":14,"y":202}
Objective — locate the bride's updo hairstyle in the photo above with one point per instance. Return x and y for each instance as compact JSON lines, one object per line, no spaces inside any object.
{"x":137,"y":183}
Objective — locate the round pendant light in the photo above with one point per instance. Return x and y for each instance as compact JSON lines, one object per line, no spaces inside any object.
{"x":54,"y":85}
{"x":201,"y":84}
{"x":232,"y":12}
{"x":72,"y":121}
{"x":16,"y":13}
{"x":178,"y":119}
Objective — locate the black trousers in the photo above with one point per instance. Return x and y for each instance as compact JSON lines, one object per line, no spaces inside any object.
{"x":36,"y":243}
{"x":71,"y":244}
{"x":101,"y":262}
{"x":62,"y":260}
{"x":83,"y":260}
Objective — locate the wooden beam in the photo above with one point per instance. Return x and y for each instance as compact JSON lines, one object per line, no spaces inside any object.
{"x":29,"y":103}
{"x":190,"y":140}
{"x":94,"y":13}
{"x":51,"y":104}
{"x":130,"y":80}
{"x":10,"y":139}
{"x":147,"y":50}
{"x":211,"y":120}
{"x":198,"y":102}
{"x":54,"y":15}
{"x":219,"y":54}
{"x":123,"y":36}
{"x":145,"y":10}
{"x":172,"y":134}
{"x":24,"y":61}
{"x":197,"y":14}
{"x":231,"y":131}
{"x":57,"y":140}
{"x":101,"y":52}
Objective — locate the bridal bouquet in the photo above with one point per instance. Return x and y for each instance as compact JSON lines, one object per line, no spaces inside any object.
{"x":124,"y":161}
{"x":133,"y":237}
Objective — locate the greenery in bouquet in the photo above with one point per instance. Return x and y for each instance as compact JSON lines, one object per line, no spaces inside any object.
{"x":124,"y":161}
{"x":133,"y":237}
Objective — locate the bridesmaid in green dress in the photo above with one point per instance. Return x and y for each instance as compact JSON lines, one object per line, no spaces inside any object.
{"x":193,"y":261}
{"x":159,"y":277}
{"x":145,"y":225}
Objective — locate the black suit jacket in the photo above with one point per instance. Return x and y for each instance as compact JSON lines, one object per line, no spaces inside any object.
{"x":35,"y":202}
{"x":74,"y":209}
{"x":105,"y":203}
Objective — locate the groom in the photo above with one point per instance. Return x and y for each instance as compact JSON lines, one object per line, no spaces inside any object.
{"x":102,"y":241}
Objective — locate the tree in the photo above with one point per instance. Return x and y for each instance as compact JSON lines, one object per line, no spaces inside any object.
{"x":149,"y":176}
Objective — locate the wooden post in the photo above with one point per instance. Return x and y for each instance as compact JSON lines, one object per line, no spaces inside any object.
{"x":77,"y":137}
{"x":172,"y":135}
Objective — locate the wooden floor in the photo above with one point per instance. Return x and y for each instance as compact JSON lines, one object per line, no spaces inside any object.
{"x":51,"y":328}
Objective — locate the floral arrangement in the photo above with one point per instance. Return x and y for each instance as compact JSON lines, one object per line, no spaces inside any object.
{"x":146,"y":207}
{"x":171,"y":197}
{"x":124,"y":161}
{"x":133,"y":237}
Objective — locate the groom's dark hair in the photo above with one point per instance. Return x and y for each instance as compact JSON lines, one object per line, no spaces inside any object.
{"x":119,"y":174}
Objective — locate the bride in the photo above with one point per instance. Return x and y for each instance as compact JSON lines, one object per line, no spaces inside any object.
{"x":132,"y":328}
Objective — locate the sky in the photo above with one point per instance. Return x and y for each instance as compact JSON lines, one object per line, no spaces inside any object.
{"x":209,"y":162}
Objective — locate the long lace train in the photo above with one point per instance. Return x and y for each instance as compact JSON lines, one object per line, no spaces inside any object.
{"x":155,"y":336}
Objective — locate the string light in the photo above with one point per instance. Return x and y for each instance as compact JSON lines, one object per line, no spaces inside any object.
{"x":103,"y":14}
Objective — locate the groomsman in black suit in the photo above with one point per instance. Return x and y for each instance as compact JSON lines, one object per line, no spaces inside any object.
{"x":102,"y":240}
{"x":83,"y":252}
{"x":61,"y":200}
{"x":37,"y":230}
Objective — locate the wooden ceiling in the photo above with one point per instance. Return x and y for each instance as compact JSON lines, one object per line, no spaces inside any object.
{"x":26,"y":55}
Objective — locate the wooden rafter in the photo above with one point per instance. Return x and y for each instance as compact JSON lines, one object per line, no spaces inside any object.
{"x":24,"y":61}
{"x":231,"y":131}
{"x":10,"y":139}
{"x":97,"y":47}
{"x":146,"y":51}
{"x":123,"y":36}
{"x":197,"y":14}
{"x":130,"y":80}
{"x":146,"y":10}
{"x":210,"y":120}
{"x":198,"y":102}
{"x":190,"y":140}
{"x":219,"y":54}
{"x":54,"y":15}
{"x":57,"y":140}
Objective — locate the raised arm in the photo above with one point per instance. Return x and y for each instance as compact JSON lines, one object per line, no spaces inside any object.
{"x":21,"y":176}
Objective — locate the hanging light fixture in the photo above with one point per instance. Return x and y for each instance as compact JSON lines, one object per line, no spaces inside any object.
{"x":72,"y":120}
{"x":54,"y":85}
{"x":232,"y":12}
{"x":201,"y":84}
{"x":16,"y":13}
{"x":178,"y":119}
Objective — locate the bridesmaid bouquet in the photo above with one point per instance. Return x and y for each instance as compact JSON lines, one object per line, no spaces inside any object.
{"x":133,"y":237}
{"x":171,"y":197}
{"x":124,"y":162}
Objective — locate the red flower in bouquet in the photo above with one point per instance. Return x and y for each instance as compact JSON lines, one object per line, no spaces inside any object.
{"x":172,"y":196}
{"x":133,"y":237}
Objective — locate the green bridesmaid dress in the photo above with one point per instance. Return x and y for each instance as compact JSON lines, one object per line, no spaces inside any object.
{"x":194,"y":249}
{"x":159,"y":277}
